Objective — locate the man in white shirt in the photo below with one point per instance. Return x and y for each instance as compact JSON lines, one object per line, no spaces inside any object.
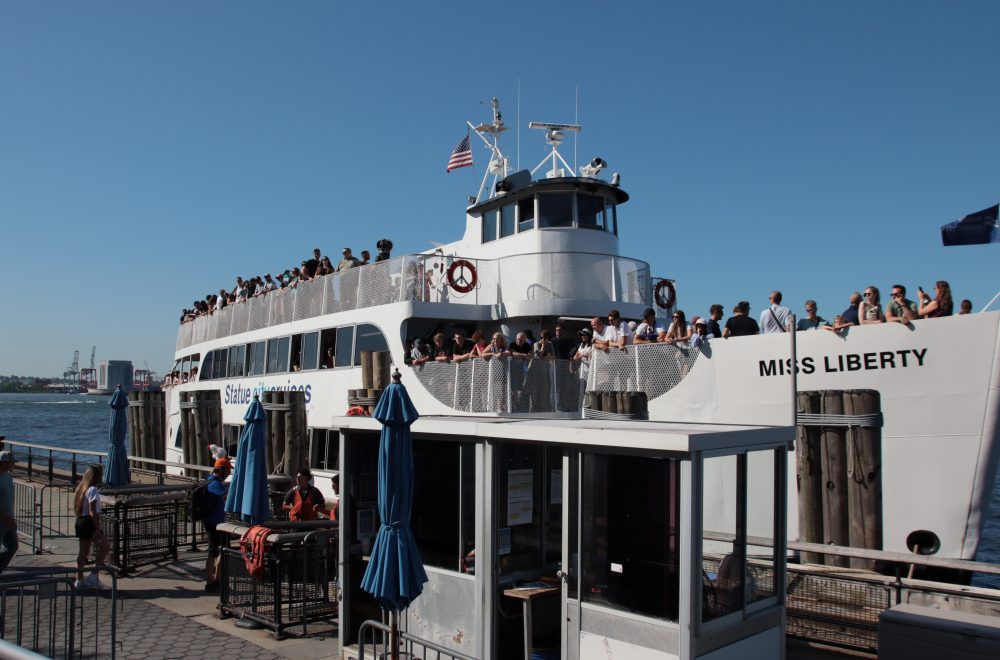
{"x":775,"y":317}
{"x":604,"y":334}
{"x":624,"y":331}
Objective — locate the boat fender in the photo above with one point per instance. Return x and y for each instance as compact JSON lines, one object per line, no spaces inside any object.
{"x":665,"y":300}
{"x":459,"y":282}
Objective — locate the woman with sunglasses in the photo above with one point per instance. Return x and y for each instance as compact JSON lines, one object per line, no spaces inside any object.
{"x":870,"y":310}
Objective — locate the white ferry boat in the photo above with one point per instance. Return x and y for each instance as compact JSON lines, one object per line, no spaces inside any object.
{"x":542,"y":247}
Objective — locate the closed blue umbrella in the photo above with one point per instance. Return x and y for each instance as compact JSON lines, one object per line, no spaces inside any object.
{"x":248,"y":492}
{"x":395,"y":574}
{"x":118,"y":473}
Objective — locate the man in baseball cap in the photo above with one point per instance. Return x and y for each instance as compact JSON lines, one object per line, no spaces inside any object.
{"x":8,"y":524}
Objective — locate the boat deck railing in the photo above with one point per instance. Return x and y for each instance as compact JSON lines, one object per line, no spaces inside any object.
{"x":425,"y":278}
{"x":515,"y":385}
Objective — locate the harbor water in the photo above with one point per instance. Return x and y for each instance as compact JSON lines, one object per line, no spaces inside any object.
{"x":80,"y":421}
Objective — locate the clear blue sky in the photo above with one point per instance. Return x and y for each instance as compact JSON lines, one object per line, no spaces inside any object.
{"x":152,"y":151}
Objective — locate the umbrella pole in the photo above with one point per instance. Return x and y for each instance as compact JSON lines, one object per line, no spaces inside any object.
{"x":394,"y":635}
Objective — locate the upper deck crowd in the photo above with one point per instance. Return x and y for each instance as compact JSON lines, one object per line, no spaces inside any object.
{"x":314,"y":267}
{"x":613,"y":332}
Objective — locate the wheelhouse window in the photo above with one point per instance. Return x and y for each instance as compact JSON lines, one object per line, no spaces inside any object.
{"x":526,"y":214}
{"x":369,"y":338}
{"x":555,"y":210}
{"x":277,"y":355}
{"x":507,"y":220}
{"x":257,"y":358}
{"x":590,"y":212}
{"x":490,"y":226}
{"x":345,"y":346}
{"x":611,"y":213}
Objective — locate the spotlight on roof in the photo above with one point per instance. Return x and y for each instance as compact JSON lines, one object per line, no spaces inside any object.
{"x":616,"y":179}
{"x":593,"y":169}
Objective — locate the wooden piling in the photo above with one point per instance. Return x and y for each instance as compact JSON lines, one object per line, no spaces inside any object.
{"x":864,"y":475}
{"x":834,"y":474}
{"x":187,"y":429}
{"x":381,"y":363}
{"x":809,"y":476}
{"x":366,"y":370}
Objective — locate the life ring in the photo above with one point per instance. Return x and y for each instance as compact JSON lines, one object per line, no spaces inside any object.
{"x":665,"y":302}
{"x":458,"y":280}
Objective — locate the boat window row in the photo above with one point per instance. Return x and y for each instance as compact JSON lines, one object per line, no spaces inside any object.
{"x":550,"y":210}
{"x":329,"y":348}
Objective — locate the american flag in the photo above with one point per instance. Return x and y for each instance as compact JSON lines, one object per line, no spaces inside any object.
{"x":461,"y":156}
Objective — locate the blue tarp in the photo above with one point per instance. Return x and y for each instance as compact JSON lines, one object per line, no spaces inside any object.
{"x":248,"y":491}
{"x":395,"y":575}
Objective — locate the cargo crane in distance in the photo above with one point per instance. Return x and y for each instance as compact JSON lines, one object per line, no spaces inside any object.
{"x":88,"y":376}
{"x":72,"y":373}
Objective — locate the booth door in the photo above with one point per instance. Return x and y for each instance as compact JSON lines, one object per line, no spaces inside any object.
{"x":620,"y":561}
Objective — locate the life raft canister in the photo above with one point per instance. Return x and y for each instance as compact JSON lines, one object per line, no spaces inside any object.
{"x":665,"y":294}
{"x":459,"y":282}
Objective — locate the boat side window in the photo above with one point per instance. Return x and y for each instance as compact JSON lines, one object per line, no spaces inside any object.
{"x":368,"y":338}
{"x":526,"y":214}
{"x":195,"y":361}
{"x":209,"y":360}
{"x":507,"y":225}
{"x":555,"y":210}
{"x":590,"y":212}
{"x":185,"y":368}
{"x":257,"y":356}
{"x":296,"y":362}
{"x":345,"y":346}
{"x":327,"y":347}
{"x":611,"y":213}
{"x":221,"y":362}
{"x":324,"y":449}
{"x":310,"y":351}
{"x":277,"y":355}
{"x":629,"y":557}
{"x":237,"y":361}
{"x":490,"y":226}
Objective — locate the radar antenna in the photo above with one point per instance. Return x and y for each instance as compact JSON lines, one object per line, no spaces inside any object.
{"x":490,"y":134}
{"x":553,"y":138}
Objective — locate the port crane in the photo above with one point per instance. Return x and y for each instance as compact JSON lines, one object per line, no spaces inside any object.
{"x":72,"y":372}
{"x":88,"y":376}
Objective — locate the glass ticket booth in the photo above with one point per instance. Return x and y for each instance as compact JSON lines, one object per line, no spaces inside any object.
{"x":569,"y":539}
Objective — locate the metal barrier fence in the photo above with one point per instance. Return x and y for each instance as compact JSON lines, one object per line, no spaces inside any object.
{"x":299,"y":585}
{"x":512,"y":385}
{"x":145,"y":524}
{"x":375,"y":635}
{"x":41,"y":610}
{"x":424,"y":278}
{"x":26,"y":514}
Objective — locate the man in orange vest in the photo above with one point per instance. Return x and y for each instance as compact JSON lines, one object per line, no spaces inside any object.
{"x":303,"y":500}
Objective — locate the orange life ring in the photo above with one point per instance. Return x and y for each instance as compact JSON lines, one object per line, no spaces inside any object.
{"x":459,"y":282}
{"x":665,"y":302}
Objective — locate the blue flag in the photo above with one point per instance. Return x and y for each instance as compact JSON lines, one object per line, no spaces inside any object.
{"x":974,"y":229}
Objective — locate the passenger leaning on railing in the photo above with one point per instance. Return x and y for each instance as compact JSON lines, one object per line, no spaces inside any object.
{"x":87,"y":505}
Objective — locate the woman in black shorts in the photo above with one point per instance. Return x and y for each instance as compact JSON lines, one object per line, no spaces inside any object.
{"x":87,"y":504}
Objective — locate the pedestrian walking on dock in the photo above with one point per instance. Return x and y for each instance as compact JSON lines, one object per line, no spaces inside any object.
{"x":8,"y":524}
{"x":87,"y":504}
{"x":215,"y":514}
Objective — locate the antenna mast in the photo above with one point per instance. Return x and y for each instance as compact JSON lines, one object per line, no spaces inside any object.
{"x":490,"y":135}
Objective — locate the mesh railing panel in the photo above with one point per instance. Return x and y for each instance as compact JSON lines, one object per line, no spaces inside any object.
{"x":505,"y":385}
{"x":142,"y":531}
{"x":539,"y":276}
{"x":308,"y":299}
{"x":652,"y":368}
{"x":241,"y":318}
{"x":835,"y":610}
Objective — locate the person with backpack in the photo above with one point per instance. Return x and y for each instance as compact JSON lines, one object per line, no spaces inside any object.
{"x":304,"y":500}
{"x":208,"y":503}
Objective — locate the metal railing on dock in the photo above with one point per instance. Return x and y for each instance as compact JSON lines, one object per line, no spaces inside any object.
{"x":41,"y":610}
{"x":374,"y":636}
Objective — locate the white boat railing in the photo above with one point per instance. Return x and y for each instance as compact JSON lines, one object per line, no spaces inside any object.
{"x":424,"y":278}
{"x":514,"y":385}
